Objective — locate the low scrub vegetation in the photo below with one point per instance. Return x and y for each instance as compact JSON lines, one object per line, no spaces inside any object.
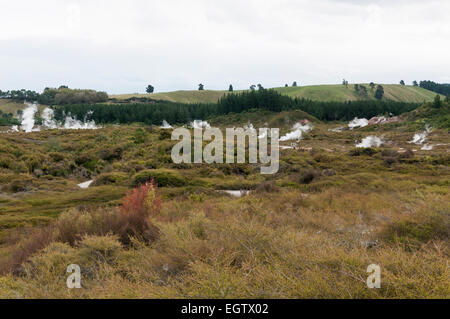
{"x":149,"y":228}
{"x":130,"y":222}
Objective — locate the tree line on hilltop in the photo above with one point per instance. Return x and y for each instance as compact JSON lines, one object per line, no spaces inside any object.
{"x":52,"y":96}
{"x":443,"y":89}
{"x":267,"y":99}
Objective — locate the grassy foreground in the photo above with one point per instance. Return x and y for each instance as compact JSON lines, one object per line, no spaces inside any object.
{"x":309,"y":231}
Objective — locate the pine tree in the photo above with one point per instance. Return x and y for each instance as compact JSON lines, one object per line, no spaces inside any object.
{"x":437,"y":101}
{"x":379,"y":92}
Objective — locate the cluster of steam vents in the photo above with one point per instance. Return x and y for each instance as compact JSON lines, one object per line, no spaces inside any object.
{"x":28,"y":121}
{"x":296,"y":134}
{"x":375,"y":141}
{"x":304,"y":126}
{"x":48,"y":122}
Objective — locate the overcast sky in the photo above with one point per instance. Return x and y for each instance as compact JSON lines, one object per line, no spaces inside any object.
{"x":121,"y":46}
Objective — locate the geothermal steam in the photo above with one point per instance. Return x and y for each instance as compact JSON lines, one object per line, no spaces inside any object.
{"x":166,"y":125}
{"x":47,"y":118}
{"x":356,"y":122}
{"x":370,"y":141}
{"x":48,"y":121}
{"x":199,"y":124}
{"x":420,"y":138}
{"x":73,"y":124}
{"x":28,"y":117}
{"x":297,"y":132}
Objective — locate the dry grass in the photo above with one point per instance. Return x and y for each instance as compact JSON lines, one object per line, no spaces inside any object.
{"x":130,"y":222}
{"x":309,"y":231}
{"x":267,"y":245}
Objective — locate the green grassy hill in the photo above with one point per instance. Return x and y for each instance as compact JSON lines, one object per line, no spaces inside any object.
{"x":206,"y":96}
{"x":333,"y":92}
{"x":392,"y":92}
{"x":8,"y":106}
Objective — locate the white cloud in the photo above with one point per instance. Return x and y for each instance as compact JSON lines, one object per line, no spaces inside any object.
{"x":121,"y":46}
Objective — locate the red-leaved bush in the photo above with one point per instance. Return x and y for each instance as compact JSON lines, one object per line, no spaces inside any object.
{"x":141,"y":203}
{"x":132,"y":220}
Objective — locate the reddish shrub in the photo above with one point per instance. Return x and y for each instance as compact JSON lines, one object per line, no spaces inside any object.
{"x":131,"y":221}
{"x":141,"y":203}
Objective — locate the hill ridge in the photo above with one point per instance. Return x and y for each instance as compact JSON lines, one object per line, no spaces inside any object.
{"x":323,"y":92}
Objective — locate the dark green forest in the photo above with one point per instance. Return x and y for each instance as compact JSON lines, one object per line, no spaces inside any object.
{"x":443,"y":89}
{"x":156,"y":111}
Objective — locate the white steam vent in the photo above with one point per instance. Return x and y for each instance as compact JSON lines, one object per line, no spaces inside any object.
{"x":356,"y":122}
{"x":28,"y":117}
{"x":263,"y":132}
{"x":166,"y":125}
{"x":297,"y":131}
{"x":370,"y":141}
{"x":199,"y":124}
{"x":420,"y":138}
{"x":249,"y":126}
{"x":72,"y":123}
{"x":47,"y":118}
{"x":48,"y":121}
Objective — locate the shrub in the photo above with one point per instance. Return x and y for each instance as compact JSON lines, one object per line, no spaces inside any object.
{"x":389,"y":153}
{"x":109,"y":155}
{"x":369,"y":151}
{"x":6,"y":161}
{"x":407,"y":154}
{"x":36,"y":241}
{"x":110,"y":178}
{"x":162,"y":177}
{"x":165,"y":134}
{"x":83,"y":158}
{"x":390,"y":156}
{"x":131,"y":221}
{"x":99,"y":249}
{"x":135,"y":211}
{"x":329,"y":172}
{"x":308,"y":176}
{"x":139,"y":136}
{"x":267,"y":187}
{"x":20,"y":185}
{"x":419,"y":230}
{"x":56,"y":157}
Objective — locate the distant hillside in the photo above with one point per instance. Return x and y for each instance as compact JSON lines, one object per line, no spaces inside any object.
{"x":437,"y":117}
{"x":341,"y":93}
{"x":8,"y":106}
{"x":205,"y":96}
{"x":335,"y":92}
